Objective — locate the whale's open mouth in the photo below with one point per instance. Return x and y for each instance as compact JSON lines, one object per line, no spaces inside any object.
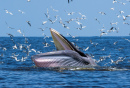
{"x":61,"y":43}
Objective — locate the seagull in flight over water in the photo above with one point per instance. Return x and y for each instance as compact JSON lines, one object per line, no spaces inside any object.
{"x":29,"y":23}
{"x":69,"y":1}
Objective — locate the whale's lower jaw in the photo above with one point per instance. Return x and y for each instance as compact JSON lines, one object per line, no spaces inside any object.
{"x":45,"y":62}
{"x":63,"y":58}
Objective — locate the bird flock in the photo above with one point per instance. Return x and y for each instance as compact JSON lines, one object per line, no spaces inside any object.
{"x":57,"y":19}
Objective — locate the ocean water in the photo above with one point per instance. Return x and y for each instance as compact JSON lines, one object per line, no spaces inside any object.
{"x":112,"y":54}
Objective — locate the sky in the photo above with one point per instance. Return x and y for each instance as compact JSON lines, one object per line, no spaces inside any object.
{"x":11,"y":19}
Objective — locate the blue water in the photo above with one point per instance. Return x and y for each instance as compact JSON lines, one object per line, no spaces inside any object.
{"x":113,"y":61}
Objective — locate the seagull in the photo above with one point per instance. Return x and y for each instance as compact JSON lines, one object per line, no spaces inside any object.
{"x":119,"y":60}
{"x":8,"y":26}
{"x":46,"y":45}
{"x":102,"y":13}
{"x":28,"y":0}
{"x":124,"y":18}
{"x":29,"y":23}
{"x":65,"y":26}
{"x":8,"y":12}
{"x":4,"y":49}
{"x":122,"y":3}
{"x":114,"y":23}
{"x":14,"y":47}
{"x":56,"y":16}
{"x":2,"y":55}
{"x":69,"y":13}
{"x":82,"y":15}
{"x":128,"y":16}
{"x":118,"y":16}
{"x":41,"y":29}
{"x":86,"y":48}
{"x":19,"y":31}
{"x":60,"y":21}
{"x":126,"y":23}
{"x":44,"y":22}
{"x":21,"y":11}
{"x":78,"y":23}
{"x":23,"y":58}
{"x":103,"y":49}
{"x":116,"y":30}
{"x":69,"y":21}
{"x":26,"y":40}
{"x":121,"y":12}
{"x":69,"y":1}
{"x":52,"y":41}
{"x":47,"y":11}
{"x":115,"y":42}
{"x":39,"y":52}
{"x":92,"y":55}
{"x":33,"y":50}
{"x":93,"y":43}
{"x":112,"y":8}
{"x":127,"y":39}
{"x":76,"y":39}
{"x":103,"y":33}
{"x":102,"y":29}
{"x":54,"y":9}
{"x":97,"y":20}
{"x":10,"y":35}
{"x":71,"y":35}
{"x":112,"y":29}
{"x":20,"y":46}
{"x":47,"y":16}
{"x":108,"y":56}
{"x":114,"y":1}
{"x":45,"y":36}
{"x":82,"y":26}
{"x":15,"y":56}
{"x":120,"y":49}
{"x":28,"y":47}
{"x":79,"y":28}
{"x":101,"y":59}
{"x":52,"y":21}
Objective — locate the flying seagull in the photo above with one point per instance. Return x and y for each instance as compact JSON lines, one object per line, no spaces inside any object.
{"x":69,"y":1}
{"x":29,"y":23}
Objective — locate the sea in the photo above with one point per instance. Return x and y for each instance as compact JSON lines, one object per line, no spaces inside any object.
{"x":112,"y":54}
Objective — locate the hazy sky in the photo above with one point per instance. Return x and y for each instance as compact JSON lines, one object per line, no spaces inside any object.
{"x":12,"y":20}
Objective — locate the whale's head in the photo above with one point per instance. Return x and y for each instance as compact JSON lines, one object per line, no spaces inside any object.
{"x":61,"y":43}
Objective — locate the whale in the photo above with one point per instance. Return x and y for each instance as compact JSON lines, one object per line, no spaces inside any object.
{"x":66,"y":55}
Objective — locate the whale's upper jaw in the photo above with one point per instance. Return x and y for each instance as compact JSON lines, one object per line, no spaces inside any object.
{"x":61,"y":43}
